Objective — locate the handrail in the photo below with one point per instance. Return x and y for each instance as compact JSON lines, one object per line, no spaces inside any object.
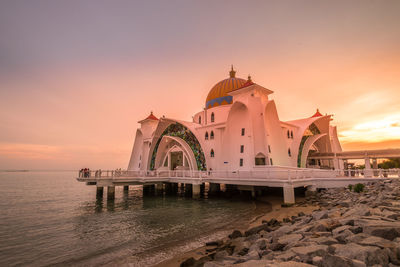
{"x":289,"y":174}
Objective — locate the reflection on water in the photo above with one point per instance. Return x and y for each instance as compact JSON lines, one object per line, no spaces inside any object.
{"x":48,"y":218}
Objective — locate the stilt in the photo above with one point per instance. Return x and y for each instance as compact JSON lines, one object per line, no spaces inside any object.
{"x":110,"y":192}
{"x":159,"y":189}
{"x":99,"y":191}
{"x":288,"y":194}
{"x":214,"y":189}
{"x":188,"y":189}
{"x":253,"y":193}
{"x":196,"y":191}
{"x":168,"y":188}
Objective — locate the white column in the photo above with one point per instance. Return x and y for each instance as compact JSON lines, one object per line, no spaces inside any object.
{"x":169,"y":161}
{"x":288,"y":194}
{"x":367,"y":171}
{"x":196,"y":191}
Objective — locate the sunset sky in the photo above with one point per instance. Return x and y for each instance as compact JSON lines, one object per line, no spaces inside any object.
{"x":76,"y":76}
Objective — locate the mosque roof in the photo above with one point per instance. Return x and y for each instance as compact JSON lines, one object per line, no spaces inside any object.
{"x":218,"y":95}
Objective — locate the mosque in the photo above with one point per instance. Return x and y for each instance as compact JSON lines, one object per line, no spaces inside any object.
{"x":239,"y":129}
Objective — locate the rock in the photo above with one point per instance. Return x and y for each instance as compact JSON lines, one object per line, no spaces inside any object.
{"x":318,"y":215}
{"x":389,"y":233}
{"x":235,"y":234}
{"x":317,"y":260}
{"x":377,"y":241}
{"x":307,"y":253}
{"x":290,"y":264}
{"x":221,"y":255}
{"x":214,"y":243}
{"x":285,"y":256}
{"x":286,"y":239}
{"x":323,"y":240}
{"x":276,"y":246}
{"x":329,"y":260}
{"x":367,"y":254}
{"x":252,"y":255}
{"x":188,"y":262}
{"x":342,"y":237}
{"x":340,"y":229}
{"x":257,"y":229}
{"x":213,"y":264}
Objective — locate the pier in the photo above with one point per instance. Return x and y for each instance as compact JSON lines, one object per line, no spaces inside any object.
{"x":255,"y":181}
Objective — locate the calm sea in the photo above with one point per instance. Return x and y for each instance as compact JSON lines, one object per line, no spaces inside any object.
{"x":48,"y":218}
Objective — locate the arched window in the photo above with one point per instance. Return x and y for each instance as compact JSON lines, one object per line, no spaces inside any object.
{"x":288,"y":134}
{"x":199,"y":119}
{"x":289,"y":152}
{"x":270,"y":160}
{"x":206,"y":136}
{"x":212,"y":153}
{"x":269,"y":148}
{"x":212,"y":117}
{"x":212,"y":135}
{"x":291,"y":134}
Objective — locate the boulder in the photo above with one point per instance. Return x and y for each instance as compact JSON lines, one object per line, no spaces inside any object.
{"x":318,"y":215}
{"x":257,"y":229}
{"x":286,"y":239}
{"x":307,"y":253}
{"x":367,"y":254}
{"x":329,"y":260}
{"x":188,"y":262}
{"x":235,"y":234}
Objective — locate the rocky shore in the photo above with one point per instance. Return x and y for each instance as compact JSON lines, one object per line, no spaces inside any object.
{"x":348,"y":229}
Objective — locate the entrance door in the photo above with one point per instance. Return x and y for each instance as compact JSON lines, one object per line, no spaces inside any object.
{"x":176,"y":159}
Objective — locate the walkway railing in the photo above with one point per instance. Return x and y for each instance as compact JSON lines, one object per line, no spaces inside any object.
{"x":275,"y":173}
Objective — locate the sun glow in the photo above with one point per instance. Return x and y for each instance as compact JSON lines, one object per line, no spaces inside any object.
{"x":386,"y":128}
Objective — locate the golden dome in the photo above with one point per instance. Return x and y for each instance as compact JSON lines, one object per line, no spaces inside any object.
{"x":218,"y":95}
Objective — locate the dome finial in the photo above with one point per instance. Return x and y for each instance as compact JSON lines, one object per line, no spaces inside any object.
{"x":232,"y":73}
{"x":249,"y":78}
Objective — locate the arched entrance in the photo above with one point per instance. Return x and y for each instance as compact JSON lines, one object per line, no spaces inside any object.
{"x":174,"y":153}
{"x":184,"y":141}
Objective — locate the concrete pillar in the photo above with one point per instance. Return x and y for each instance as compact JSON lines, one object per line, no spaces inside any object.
{"x":375,"y":167}
{"x":288,"y":194}
{"x":159,"y":189}
{"x":196,"y":191}
{"x":188,"y":189}
{"x":253,"y":192}
{"x":126,"y":187}
{"x":214,"y":189}
{"x":110,"y":192}
{"x":367,"y":170}
{"x":168,"y":188}
{"x":99,"y":191}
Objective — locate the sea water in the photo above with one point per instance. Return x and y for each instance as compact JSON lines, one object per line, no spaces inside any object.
{"x":48,"y":218}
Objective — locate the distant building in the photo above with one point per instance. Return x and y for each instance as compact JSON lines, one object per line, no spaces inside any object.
{"x":239,"y":129}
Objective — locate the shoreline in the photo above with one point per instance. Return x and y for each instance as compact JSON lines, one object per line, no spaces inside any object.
{"x":275,"y":211}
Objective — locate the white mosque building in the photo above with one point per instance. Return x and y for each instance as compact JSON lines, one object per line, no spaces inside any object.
{"x":239,"y":129}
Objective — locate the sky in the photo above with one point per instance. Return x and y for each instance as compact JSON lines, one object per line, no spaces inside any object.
{"x":77,"y":76}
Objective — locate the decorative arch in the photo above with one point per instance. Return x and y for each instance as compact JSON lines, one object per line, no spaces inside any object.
{"x":206,"y":136}
{"x":212,"y":154}
{"x":212,"y":135}
{"x":178,"y":130}
{"x":307,"y":145}
{"x":212,"y":117}
{"x":312,"y":130}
